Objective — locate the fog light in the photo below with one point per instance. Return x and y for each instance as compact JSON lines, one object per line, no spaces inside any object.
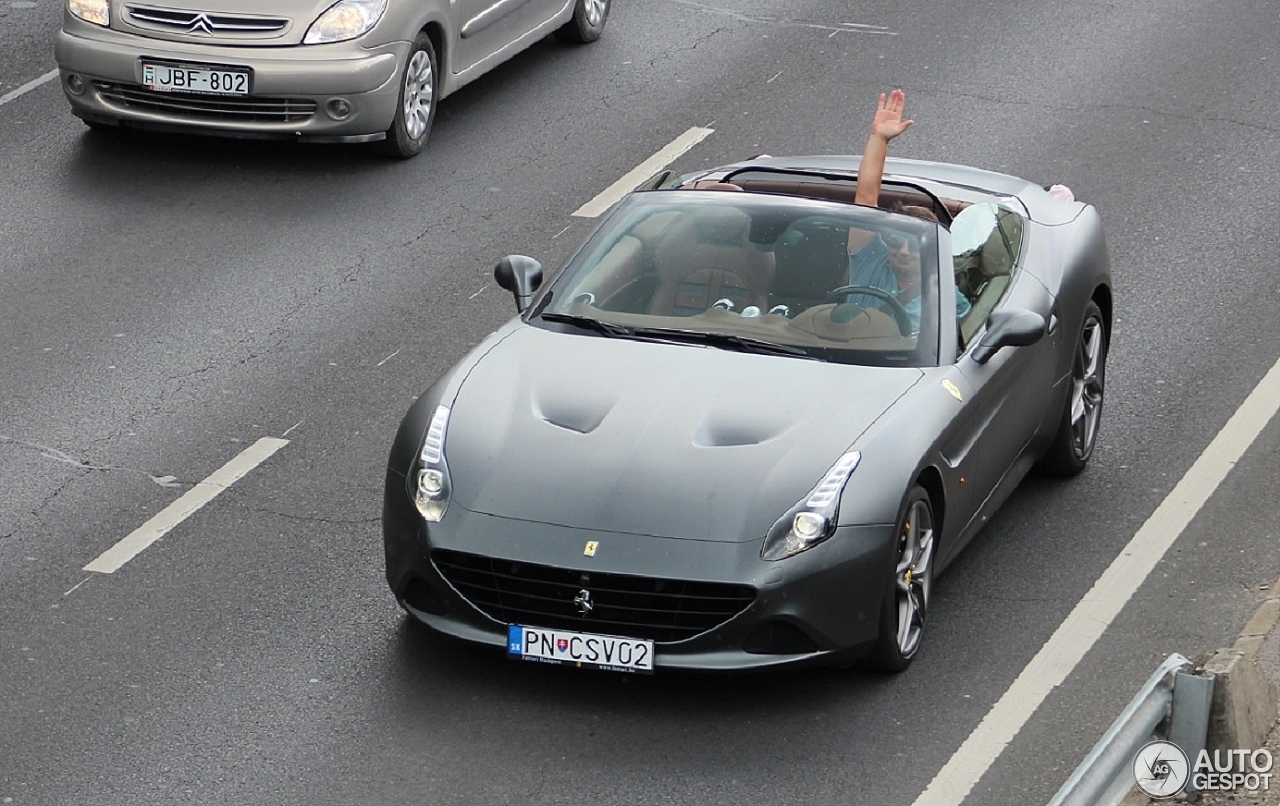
{"x":338,"y":109}
{"x":75,"y":84}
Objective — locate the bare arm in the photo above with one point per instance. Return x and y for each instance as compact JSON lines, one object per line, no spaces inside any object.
{"x":886,"y":125}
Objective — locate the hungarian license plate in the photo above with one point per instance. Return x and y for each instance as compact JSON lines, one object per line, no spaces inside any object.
{"x":608,"y":652}
{"x":199,"y":78}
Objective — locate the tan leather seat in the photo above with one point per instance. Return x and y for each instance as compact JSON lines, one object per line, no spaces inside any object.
{"x":987,"y":276}
{"x":705,"y":257}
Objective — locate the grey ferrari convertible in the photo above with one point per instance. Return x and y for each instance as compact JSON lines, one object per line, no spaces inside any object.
{"x":749,"y":421}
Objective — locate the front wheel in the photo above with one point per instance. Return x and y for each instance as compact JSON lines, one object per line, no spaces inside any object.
{"x":588,"y":21}
{"x":906,"y":602}
{"x":1078,"y":431}
{"x":417,"y":107}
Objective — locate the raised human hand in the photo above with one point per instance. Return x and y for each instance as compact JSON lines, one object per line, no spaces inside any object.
{"x":888,"y":122}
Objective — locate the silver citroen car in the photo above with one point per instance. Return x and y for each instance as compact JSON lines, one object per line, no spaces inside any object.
{"x":315,"y":70}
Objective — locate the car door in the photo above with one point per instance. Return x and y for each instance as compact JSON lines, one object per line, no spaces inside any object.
{"x":484,"y":28}
{"x":540,"y":12}
{"x":1012,"y":389}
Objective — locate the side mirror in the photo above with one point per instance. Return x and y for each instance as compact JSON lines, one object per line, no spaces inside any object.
{"x":662,"y":179}
{"x":1009,"y":328}
{"x":521,"y":276}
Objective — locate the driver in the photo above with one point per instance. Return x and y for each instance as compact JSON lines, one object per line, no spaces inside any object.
{"x":891,"y":261}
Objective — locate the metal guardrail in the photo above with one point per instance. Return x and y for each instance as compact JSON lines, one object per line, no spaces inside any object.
{"x":1172,"y":705}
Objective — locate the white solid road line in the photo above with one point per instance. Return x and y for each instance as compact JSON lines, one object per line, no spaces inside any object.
{"x":28,"y":87}
{"x":664,"y":157}
{"x":113,"y":558}
{"x":1095,"y":612}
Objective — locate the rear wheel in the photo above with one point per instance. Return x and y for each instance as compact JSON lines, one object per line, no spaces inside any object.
{"x":589,"y":17}
{"x":906,"y":602}
{"x":1078,"y":431}
{"x":417,"y":107}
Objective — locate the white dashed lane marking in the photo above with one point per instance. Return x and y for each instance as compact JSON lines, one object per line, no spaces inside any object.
{"x":131,"y":546}
{"x":664,"y":157}
{"x":28,"y":87}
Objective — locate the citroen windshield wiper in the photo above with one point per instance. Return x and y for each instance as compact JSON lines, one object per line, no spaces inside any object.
{"x":589,"y":323}
{"x":742,"y":344}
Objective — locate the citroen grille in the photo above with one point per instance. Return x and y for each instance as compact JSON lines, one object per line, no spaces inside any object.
{"x":250,"y":109}
{"x":179,"y":21}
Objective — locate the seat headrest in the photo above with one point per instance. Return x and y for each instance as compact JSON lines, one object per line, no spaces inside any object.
{"x":996,"y":258}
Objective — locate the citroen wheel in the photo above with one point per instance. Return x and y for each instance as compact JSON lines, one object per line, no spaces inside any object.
{"x":417,"y":107}
{"x":588,"y":21}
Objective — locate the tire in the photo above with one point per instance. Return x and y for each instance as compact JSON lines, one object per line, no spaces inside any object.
{"x":416,"y":109}
{"x":906,"y":601}
{"x":589,"y":17}
{"x":1078,"y":431}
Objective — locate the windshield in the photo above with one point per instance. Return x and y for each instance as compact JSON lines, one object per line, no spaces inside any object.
{"x":824,"y":280}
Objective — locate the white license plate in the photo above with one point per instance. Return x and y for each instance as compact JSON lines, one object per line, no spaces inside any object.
{"x":607,"y":652}
{"x":195,"y":78}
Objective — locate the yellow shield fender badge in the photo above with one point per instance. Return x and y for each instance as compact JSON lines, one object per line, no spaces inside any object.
{"x":590,"y":549}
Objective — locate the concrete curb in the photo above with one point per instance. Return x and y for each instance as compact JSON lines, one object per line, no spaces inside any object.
{"x":1262,"y":623}
{"x":1246,"y":704}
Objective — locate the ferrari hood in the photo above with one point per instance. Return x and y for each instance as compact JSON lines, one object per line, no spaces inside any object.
{"x":662,"y":439}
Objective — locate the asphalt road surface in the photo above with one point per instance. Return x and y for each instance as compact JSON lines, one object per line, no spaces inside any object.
{"x":166,"y":302}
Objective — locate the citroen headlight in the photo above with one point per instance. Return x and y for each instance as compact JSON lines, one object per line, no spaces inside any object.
{"x":431,"y":488}
{"x":344,"y":20}
{"x":97,"y":12}
{"x":813,"y":519}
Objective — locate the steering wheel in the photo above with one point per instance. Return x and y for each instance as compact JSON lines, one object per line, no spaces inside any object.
{"x":900,"y":315}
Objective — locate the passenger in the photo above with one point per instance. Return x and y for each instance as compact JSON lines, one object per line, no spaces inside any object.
{"x":889,"y":262}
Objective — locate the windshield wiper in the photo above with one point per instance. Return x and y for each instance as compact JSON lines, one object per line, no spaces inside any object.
{"x":742,"y":344}
{"x":589,"y":323}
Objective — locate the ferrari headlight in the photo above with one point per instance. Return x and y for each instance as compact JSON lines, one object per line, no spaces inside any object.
{"x":431,"y":487}
{"x":808,"y":525}
{"x":813,"y":519}
{"x":344,"y":20}
{"x":97,"y":12}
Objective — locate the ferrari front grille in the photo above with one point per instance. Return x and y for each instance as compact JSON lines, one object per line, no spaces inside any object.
{"x":180,"y":21}
{"x":223,"y":109}
{"x":662,"y":610}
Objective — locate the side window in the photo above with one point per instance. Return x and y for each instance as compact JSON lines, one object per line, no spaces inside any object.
{"x":985,"y":241}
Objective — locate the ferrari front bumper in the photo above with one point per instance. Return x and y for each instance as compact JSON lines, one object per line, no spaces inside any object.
{"x":472,"y":574}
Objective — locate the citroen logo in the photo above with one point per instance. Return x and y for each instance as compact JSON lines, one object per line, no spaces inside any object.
{"x":583,"y":602}
{"x":201,"y":25}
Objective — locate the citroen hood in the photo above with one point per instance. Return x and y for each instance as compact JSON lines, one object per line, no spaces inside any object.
{"x":297,"y":16}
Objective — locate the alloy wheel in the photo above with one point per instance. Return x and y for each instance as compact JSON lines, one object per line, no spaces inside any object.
{"x":595,"y":11}
{"x":1086,"y":392}
{"x":419,"y":94}
{"x":913,"y":577}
